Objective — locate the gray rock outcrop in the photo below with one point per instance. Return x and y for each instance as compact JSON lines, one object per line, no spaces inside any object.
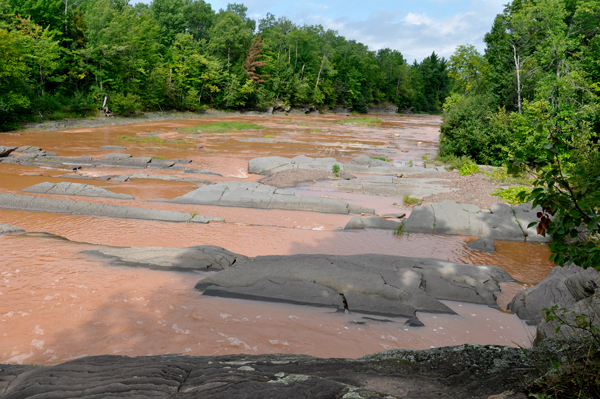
{"x":483,"y":244}
{"x":54,"y":205}
{"x":254,"y":195}
{"x":372,"y":222}
{"x":199,"y":258}
{"x":382,"y":285}
{"x":5,"y":151}
{"x":65,"y":188}
{"x":501,"y":222}
{"x":7,"y":228}
{"x":473,"y":371}
{"x":564,"y":286}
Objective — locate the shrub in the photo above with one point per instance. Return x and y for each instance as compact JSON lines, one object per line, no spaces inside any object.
{"x":125,"y":104}
{"x":336,"y":169}
{"x":410,"y":200}
{"x":472,"y":128}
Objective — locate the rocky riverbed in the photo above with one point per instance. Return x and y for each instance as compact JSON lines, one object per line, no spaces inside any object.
{"x":291,"y":239}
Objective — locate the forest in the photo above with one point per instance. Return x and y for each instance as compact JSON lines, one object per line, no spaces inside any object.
{"x":61,"y":58}
{"x":531,"y":102}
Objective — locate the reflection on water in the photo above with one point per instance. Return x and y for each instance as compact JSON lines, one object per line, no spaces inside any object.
{"x":57,"y":305}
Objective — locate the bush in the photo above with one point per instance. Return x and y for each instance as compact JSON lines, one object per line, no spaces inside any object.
{"x":125,"y":104}
{"x":472,"y":128}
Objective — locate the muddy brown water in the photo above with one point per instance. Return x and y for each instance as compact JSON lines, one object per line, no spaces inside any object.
{"x":56,"y":304}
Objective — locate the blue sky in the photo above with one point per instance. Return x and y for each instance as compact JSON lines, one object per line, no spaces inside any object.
{"x":415,"y":28}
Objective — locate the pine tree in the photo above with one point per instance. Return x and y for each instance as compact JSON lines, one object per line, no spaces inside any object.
{"x":251,"y":62}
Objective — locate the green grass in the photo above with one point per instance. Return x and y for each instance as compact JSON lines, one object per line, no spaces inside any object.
{"x":220,"y":127}
{"x":511,"y":195}
{"x":360,"y":121}
{"x":315,"y":130}
{"x":269,"y":136}
{"x":501,"y":175}
{"x":302,"y":123}
{"x":287,"y":121}
{"x":157,"y":157}
{"x":386,"y":159}
{"x":410,"y":200}
{"x":152,"y":139}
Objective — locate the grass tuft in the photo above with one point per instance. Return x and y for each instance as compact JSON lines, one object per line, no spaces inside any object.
{"x":511,"y":195}
{"x":220,"y":127}
{"x":361,"y":121}
{"x":410,"y":200}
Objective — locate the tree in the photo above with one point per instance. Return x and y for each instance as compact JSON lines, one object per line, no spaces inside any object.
{"x":251,"y":62}
{"x":467,"y":68}
{"x":228,"y":36}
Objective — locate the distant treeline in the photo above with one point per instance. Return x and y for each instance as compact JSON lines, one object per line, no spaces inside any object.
{"x":63,"y":57}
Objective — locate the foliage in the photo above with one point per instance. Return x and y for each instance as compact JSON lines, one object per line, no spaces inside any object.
{"x":568,"y":366}
{"x":386,"y":159}
{"x":471,"y":128}
{"x":410,"y":200}
{"x":360,"y":121}
{"x":567,"y":188}
{"x":221,"y":127}
{"x":468,"y":168}
{"x":513,"y":195}
{"x":125,"y":104}
{"x":181,"y":55}
{"x":335,"y":169}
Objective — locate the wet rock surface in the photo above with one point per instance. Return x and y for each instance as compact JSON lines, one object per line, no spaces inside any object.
{"x":482,"y":244}
{"x":54,"y":205}
{"x":570,"y":287}
{"x":35,"y":156}
{"x":373,"y":284}
{"x":254,"y":195}
{"x":389,"y":186}
{"x":361,"y":164}
{"x":501,"y":222}
{"x":124,"y":178}
{"x":467,"y":371}
{"x":7,"y":228}
{"x":65,"y":188}
{"x":200,"y":257}
{"x":373,"y":222}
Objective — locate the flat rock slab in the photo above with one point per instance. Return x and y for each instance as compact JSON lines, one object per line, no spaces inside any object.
{"x":389,"y":186}
{"x":373,"y":222}
{"x":124,"y":178}
{"x":112,"y":147}
{"x":501,"y":222}
{"x":200,"y":257}
{"x":472,"y":371}
{"x":254,"y":195}
{"x":54,"y":205}
{"x":65,"y":188}
{"x":7,"y":228}
{"x":382,"y":285}
{"x":269,"y":165}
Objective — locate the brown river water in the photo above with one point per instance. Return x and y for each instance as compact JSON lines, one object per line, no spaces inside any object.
{"x":57,"y":304}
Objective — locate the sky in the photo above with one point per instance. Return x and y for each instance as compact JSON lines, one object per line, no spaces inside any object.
{"x":415,"y":28}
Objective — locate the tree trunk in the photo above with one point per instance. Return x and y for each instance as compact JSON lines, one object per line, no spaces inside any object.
{"x":398,"y":88}
{"x":302,"y":74}
{"x":296,"y":62}
{"x":228,"y":54}
{"x":200,"y":98}
{"x":319,"y":74}
{"x":518,"y":67}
